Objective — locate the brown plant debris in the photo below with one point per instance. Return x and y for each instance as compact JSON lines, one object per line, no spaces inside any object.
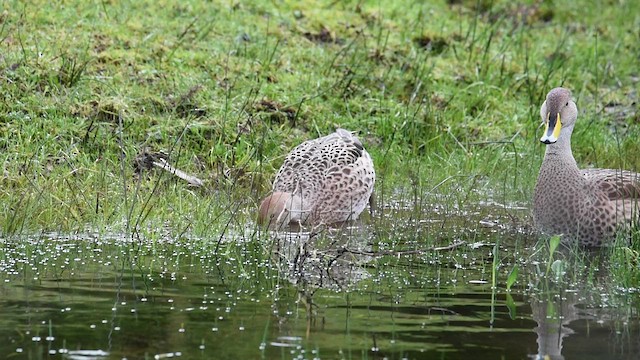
{"x":148,"y":160}
{"x":323,"y":37}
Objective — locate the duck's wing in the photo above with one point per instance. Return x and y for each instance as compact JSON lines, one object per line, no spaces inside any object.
{"x":348,"y":184}
{"x":305,"y":168}
{"x":615,"y":184}
{"x":299,"y":172}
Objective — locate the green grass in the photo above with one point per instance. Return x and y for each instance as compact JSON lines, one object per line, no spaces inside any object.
{"x":625,"y":263}
{"x":440,"y":92}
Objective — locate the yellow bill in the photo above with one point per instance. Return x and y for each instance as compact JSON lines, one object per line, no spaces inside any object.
{"x":552,"y":129}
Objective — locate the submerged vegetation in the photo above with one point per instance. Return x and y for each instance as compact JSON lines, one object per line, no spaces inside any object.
{"x":444,"y":95}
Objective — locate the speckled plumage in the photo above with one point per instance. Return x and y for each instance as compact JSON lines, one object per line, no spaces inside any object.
{"x":589,"y":205}
{"x":326,"y":180}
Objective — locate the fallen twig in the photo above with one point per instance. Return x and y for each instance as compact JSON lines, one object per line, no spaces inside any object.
{"x":147,"y":160}
{"x":405,"y":252}
{"x":164,"y":165}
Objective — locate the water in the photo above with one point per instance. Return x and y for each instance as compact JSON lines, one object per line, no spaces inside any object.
{"x":309,"y":296}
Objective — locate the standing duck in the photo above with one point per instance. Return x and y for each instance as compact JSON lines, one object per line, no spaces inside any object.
{"x":322,"y":181}
{"x":587,"y":206}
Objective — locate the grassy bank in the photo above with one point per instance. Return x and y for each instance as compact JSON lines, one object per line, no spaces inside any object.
{"x":440,"y":92}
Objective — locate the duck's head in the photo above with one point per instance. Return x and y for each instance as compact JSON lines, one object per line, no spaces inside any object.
{"x":280,"y":208}
{"x":558,"y":112}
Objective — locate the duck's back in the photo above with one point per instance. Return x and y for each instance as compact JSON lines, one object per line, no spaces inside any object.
{"x":616,"y":184}
{"x":333,"y":174}
{"x":620,"y":196}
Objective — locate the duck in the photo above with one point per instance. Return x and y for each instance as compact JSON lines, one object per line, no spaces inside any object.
{"x":587,"y":206}
{"x":322,"y":181}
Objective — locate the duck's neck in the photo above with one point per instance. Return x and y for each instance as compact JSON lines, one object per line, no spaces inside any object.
{"x":560,"y":152}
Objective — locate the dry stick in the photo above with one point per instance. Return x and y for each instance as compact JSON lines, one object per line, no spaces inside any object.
{"x":394,"y":252}
{"x":164,"y":165}
{"x":405,"y":252}
{"x":344,"y":251}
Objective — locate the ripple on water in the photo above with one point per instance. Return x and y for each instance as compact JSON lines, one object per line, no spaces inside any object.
{"x":377,"y":287}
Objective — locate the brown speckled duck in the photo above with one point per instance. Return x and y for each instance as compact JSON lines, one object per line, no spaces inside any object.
{"x":322,"y":181}
{"x":587,"y":206}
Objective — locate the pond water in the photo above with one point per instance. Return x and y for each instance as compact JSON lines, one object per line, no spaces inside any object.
{"x":412,"y":289}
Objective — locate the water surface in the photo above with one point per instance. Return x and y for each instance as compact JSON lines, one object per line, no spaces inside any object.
{"x":369,"y":290}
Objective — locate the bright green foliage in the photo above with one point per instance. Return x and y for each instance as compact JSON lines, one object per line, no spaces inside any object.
{"x":437,"y":91}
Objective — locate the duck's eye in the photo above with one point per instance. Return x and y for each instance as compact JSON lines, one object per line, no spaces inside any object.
{"x":567,"y":104}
